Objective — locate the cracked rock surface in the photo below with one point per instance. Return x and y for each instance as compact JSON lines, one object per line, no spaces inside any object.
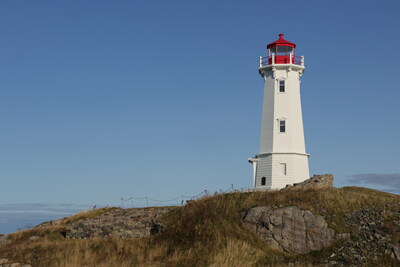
{"x":289,"y":229}
{"x":131,"y":223}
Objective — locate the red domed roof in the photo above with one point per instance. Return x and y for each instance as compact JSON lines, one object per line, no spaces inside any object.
{"x":281,"y":42}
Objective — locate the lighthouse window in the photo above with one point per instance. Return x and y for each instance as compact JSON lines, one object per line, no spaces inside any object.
{"x":282,"y":126}
{"x":263,"y":181}
{"x":283,"y":169}
{"x":281,"y":86}
{"x":283,"y":50}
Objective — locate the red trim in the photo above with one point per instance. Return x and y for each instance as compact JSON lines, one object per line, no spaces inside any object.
{"x":283,"y":56}
{"x":296,"y":60}
{"x":281,"y":59}
{"x":281,"y":42}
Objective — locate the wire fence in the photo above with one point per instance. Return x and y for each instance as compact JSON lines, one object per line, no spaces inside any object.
{"x":147,"y":201}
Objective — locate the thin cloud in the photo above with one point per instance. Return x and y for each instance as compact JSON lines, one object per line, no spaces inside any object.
{"x":42,"y":208}
{"x":388,"y":182}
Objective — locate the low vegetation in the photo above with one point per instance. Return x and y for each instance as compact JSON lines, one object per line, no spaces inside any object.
{"x":206,"y":232}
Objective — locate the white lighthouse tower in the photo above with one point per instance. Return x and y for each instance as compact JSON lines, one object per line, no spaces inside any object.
{"x":282,"y":159}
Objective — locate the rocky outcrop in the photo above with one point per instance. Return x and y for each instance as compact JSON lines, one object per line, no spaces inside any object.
{"x":315,"y":182}
{"x":130,"y":223}
{"x":289,"y":229}
{"x":376,"y":235}
{"x":7,"y":263}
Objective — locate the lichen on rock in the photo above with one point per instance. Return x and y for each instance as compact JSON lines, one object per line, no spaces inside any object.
{"x":316,"y":182}
{"x":131,"y":223}
{"x":289,"y":229}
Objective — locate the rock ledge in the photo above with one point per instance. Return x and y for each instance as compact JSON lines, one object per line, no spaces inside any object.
{"x":289,"y":229}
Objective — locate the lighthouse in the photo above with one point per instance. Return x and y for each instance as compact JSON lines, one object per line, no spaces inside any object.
{"x":282,"y":159}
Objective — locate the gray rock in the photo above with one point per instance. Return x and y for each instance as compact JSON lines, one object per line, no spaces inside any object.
{"x":131,"y":223}
{"x":289,"y":229}
{"x":317,"y":181}
{"x":157,"y":228}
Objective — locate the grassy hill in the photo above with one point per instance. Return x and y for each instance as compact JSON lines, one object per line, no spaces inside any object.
{"x":209,"y":232}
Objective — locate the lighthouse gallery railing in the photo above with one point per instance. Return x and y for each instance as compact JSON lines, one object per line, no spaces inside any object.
{"x":286,"y":59}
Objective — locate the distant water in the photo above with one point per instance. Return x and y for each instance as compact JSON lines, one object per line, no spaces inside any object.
{"x":14,"y":217}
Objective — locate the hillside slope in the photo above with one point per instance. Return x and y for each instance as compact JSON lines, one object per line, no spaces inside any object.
{"x":211,"y":232}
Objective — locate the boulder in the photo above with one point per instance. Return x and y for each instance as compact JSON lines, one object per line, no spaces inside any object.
{"x":289,"y":229}
{"x":315,"y":182}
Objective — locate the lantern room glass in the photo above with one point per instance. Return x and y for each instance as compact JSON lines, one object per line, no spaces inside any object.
{"x":281,"y":50}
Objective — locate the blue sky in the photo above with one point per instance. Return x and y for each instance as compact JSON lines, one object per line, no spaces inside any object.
{"x":107,"y":99}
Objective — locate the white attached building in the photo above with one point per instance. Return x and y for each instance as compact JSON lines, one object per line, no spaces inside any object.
{"x":282,"y":159}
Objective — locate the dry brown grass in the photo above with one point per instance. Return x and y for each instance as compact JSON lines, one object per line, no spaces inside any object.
{"x":237,"y":253}
{"x":95,"y":252}
{"x":207,"y":232}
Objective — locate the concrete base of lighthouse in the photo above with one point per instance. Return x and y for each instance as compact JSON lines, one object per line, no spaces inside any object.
{"x":276,"y":170}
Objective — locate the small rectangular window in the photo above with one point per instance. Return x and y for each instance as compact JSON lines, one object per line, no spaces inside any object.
{"x":283,"y":169}
{"x":282,"y":126}
{"x":281,"y":86}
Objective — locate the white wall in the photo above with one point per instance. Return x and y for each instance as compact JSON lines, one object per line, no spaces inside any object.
{"x":278,"y":105}
{"x":269,"y":166}
{"x":276,"y":147}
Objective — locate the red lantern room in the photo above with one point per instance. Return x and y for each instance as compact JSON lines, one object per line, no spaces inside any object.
{"x":281,"y":52}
